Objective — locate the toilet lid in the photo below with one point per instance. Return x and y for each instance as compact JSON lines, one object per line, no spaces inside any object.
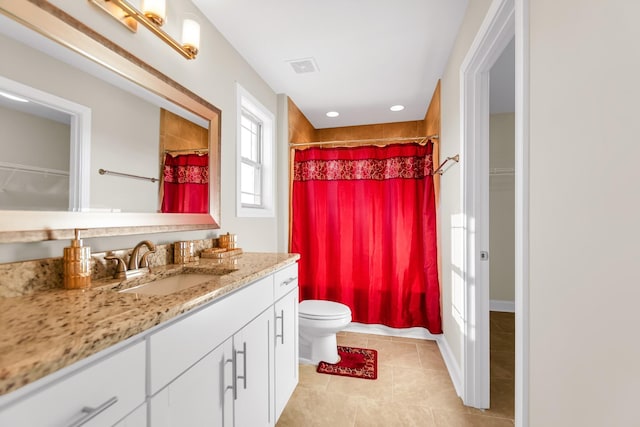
{"x":318,"y":309}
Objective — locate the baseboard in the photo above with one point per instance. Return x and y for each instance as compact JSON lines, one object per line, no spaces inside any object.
{"x":506,"y":306}
{"x":417,"y":332}
{"x":451,"y":364}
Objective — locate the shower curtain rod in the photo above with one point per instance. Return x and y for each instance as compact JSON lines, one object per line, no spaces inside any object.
{"x":439,"y":171}
{"x":373,"y":141}
{"x":190,"y":151}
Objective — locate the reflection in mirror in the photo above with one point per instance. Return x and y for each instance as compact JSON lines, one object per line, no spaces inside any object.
{"x":117,"y":143}
{"x":44,"y":141}
{"x":33,"y":175}
{"x":56,"y":54}
{"x":184,"y":176}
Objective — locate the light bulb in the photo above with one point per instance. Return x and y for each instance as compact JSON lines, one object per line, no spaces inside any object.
{"x":155,"y":10}
{"x":191,"y":36}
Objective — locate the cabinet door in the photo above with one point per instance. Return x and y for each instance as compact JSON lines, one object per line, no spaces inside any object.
{"x":253,"y":351}
{"x":286,"y":349}
{"x":200,"y":396}
{"x":98,"y":394}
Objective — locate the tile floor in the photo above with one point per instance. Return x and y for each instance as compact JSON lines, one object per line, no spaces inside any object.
{"x":413,"y":387}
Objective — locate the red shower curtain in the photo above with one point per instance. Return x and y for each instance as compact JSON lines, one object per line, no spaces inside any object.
{"x":364,"y":223}
{"x":186,"y":184}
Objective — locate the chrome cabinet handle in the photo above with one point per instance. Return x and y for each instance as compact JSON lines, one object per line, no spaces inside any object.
{"x":234,"y":373}
{"x":281,"y":334}
{"x":242,"y":377}
{"x":91,"y":413}
{"x":289,"y":280}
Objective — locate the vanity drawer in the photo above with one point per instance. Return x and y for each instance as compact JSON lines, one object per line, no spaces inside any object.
{"x":181,"y":344}
{"x":109,"y":389}
{"x":285,"y":280}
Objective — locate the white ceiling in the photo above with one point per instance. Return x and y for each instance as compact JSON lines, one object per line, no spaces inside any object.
{"x":370,"y":54}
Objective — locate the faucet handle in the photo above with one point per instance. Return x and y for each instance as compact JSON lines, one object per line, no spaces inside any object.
{"x":121,"y":268}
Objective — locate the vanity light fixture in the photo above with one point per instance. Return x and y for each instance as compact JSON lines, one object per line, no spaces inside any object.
{"x":153,"y":16}
{"x":333,"y":114}
{"x":397,"y":107}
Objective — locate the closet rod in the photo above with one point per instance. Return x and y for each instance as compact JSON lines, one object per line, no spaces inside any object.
{"x":439,"y":171}
{"x":126,"y":175}
{"x":372,"y":141}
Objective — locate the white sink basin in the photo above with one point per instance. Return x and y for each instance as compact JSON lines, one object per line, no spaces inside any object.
{"x":170,"y":284}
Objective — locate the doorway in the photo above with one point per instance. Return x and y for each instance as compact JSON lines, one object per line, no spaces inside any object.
{"x":502,"y":232}
{"x":504,"y":20}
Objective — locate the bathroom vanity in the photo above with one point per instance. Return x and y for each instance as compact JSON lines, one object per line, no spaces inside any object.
{"x":222,"y":353}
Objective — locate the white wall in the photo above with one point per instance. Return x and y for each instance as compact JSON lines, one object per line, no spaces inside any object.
{"x":502,"y":208}
{"x":450,"y":190}
{"x":31,"y":140}
{"x":213,"y":75}
{"x":585,"y":213}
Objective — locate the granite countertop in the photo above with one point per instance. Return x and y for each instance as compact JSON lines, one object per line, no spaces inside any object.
{"x":49,"y":330}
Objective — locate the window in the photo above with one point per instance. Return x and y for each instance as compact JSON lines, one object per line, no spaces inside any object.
{"x":250,"y":160}
{"x":255,"y":157}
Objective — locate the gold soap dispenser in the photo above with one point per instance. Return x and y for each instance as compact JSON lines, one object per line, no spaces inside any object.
{"x":77,"y":264}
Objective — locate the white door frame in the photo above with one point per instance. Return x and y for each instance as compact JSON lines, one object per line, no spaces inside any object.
{"x":504,"y":19}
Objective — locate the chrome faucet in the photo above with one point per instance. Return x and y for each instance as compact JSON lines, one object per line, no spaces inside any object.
{"x":138,"y":265}
{"x":134,"y":262}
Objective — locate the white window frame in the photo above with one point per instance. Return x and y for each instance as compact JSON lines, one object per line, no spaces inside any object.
{"x":267,"y":167}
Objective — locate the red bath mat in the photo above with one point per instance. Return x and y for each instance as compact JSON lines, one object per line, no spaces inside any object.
{"x":354,"y":362}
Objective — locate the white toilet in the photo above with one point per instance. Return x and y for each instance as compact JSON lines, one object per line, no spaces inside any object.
{"x":318,"y":322}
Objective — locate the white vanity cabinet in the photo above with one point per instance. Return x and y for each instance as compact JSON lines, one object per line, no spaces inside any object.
{"x":100,"y":393}
{"x":202,"y":396}
{"x":286,"y":335}
{"x":228,"y":387}
{"x":253,"y":354}
{"x":229,"y":363}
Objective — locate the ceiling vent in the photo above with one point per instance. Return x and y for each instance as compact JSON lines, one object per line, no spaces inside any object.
{"x":304,"y":65}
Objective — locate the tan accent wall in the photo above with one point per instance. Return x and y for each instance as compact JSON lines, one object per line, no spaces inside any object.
{"x":178,"y":133}
{"x":431,"y":126}
{"x":376,"y":131}
{"x":300,"y":128}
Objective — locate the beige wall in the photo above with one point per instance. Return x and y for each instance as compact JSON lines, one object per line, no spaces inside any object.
{"x":502,"y":208}
{"x":30,"y":140}
{"x":585,"y":213}
{"x":22,"y":140}
{"x":213,"y":75}
{"x":450,"y":191}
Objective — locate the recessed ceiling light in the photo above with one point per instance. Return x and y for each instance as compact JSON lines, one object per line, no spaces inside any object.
{"x":333,"y":114}
{"x":13,"y":97}
{"x":396,"y":107}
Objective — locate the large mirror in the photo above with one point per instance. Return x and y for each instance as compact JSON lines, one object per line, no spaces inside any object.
{"x":102,"y":163}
